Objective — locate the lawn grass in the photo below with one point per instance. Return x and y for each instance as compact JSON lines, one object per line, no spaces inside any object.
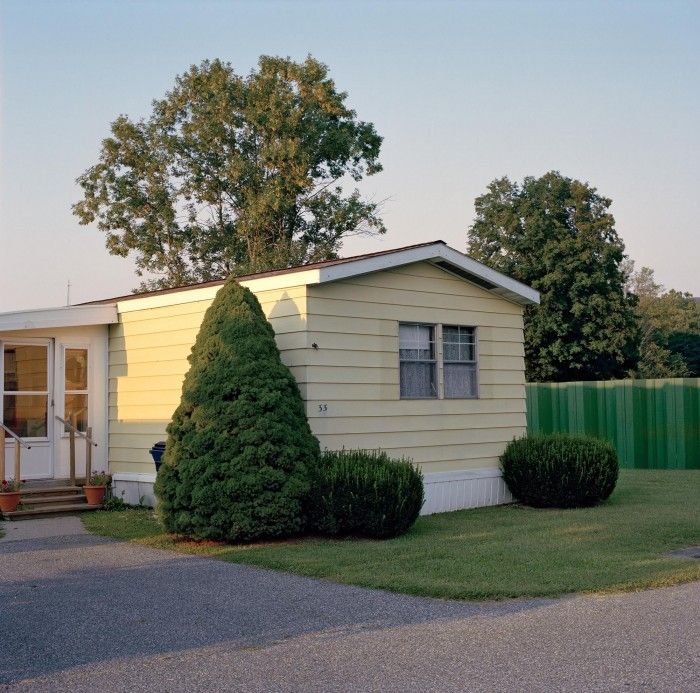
{"x":487,"y":553}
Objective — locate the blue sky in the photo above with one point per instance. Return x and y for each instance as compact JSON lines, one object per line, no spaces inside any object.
{"x":462,"y":92}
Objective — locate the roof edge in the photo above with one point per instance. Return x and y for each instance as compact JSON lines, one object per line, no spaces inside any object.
{"x":63,"y":316}
{"x":440,"y":254}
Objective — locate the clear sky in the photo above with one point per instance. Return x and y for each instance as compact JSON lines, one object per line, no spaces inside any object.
{"x":463,"y":92}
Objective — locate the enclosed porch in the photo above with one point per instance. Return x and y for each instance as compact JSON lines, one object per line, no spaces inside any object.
{"x":53,"y":408}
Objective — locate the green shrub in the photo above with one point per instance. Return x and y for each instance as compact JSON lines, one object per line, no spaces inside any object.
{"x":560,"y":470}
{"x":239,"y":451}
{"x":366,"y":493}
{"x":113,"y":503}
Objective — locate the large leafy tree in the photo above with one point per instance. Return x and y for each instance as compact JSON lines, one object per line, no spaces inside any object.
{"x":557,"y":235}
{"x":670,"y":327}
{"x":240,"y":457}
{"x":233,"y":174}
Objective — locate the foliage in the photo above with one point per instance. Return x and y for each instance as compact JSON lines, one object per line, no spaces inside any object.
{"x":560,"y":470}
{"x":239,"y":450}
{"x":99,"y":479}
{"x":557,"y":235}
{"x":113,"y":503}
{"x":670,"y":328}
{"x":486,"y":553}
{"x":233,"y":174}
{"x":10,"y":485}
{"x":687,"y":346}
{"x":366,"y":493}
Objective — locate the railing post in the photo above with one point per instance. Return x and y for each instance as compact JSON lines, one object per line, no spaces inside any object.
{"x":18,"y":452}
{"x":2,"y":454}
{"x":88,"y":455}
{"x":71,"y":443}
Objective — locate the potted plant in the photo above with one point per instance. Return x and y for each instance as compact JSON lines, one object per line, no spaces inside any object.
{"x":10,"y":495}
{"x":96,"y":486}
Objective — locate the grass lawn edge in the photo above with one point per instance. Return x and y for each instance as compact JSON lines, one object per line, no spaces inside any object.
{"x":495,"y":553}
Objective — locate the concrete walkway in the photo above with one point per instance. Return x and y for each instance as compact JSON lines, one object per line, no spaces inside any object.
{"x":83,"y":613}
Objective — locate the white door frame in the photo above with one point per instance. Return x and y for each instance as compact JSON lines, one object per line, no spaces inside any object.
{"x":46,"y":443}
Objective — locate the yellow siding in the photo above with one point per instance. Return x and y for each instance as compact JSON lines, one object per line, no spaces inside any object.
{"x":351,"y":382}
{"x":148,"y":352}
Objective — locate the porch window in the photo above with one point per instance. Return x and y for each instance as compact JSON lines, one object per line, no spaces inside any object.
{"x":76,"y":388}
{"x":26,"y":389}
{"x":459,"y":361}
{"x":417,"y":364}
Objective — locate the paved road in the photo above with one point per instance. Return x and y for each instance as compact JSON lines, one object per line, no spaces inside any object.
{"x":82,"y":613}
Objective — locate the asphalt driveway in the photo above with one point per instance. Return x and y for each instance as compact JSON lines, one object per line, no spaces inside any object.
{"x":79,"y":612}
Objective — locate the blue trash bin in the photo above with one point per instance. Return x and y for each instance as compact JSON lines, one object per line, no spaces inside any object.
{"x":157,"y":452}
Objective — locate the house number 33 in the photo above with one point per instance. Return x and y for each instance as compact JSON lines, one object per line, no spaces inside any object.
{"x":322,"y":408}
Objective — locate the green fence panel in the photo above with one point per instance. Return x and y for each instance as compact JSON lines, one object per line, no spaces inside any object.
{"x":653,"y":424}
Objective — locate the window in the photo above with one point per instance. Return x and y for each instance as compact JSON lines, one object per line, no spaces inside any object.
{"x":459,"y":361}
{"x":76,"y":388}
{"x":425,"y":352}
{"x":26,"y":389}
{"x":417,"y":361}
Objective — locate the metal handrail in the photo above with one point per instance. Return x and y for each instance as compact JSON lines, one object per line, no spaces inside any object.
{"x":76,"y":431}
{"x":15,"y":436}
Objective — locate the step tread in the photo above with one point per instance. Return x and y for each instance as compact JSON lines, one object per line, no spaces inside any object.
{"x":75,"y":498}
{"x":50,"y":490}
{"x":51,"y":510}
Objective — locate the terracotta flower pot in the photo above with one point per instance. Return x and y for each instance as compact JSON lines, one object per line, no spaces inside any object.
{"x":9,"y":501}
{"x":94,"y":494}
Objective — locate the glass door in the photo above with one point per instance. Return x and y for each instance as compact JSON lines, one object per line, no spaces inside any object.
{"x":26,"y":402}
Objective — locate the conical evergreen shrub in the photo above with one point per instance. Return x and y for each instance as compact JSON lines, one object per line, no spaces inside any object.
{"x":240,"y":452}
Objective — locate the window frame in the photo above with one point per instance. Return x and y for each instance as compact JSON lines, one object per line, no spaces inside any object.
{"x":64,"y":348}
{"x":474,"y":362}
{"x":47,"y":394}
{"x":439,"y":361}
{"x":434,"y":361}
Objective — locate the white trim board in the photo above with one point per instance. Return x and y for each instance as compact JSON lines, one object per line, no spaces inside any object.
{"x":134,"y":476}
{"x":67,"y":316}
{"x":440,"y":254}
{"x":462,"y":475}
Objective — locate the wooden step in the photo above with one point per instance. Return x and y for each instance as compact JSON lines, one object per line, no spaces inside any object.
{"x":49,"y":511}
{"x":49,"y":492}
{"x":72,"y":499}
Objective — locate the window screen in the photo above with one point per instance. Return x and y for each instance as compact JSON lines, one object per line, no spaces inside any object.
{"x":417,"y":360}
{"x":459,"y":361}
{"x":76,"y":388}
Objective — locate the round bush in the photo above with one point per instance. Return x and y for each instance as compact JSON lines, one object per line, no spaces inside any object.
{"x":560,"y":470}
{"x":366,"y":493}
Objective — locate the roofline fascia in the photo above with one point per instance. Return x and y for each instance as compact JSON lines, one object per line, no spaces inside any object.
{"x":66,"y":316}
{"x":506,"y":286}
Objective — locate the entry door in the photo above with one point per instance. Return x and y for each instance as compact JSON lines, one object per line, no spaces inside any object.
{"x":26,"y":405}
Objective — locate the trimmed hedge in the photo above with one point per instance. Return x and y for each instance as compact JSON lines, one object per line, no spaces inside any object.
{"x":366,"y":493}
{"x":240,"y":453}
{"x":560,"y":470}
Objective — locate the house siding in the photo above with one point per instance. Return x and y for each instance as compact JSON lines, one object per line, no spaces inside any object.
{"x":148,"y":352}
{"x":351,"y":383}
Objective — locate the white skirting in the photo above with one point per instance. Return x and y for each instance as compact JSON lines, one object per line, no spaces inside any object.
{"x":134,"y":489}
{"x":444,"y":491}
{"x":469,"y":488}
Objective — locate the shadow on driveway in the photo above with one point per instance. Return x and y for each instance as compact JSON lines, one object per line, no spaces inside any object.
{"x":75,"y":600}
